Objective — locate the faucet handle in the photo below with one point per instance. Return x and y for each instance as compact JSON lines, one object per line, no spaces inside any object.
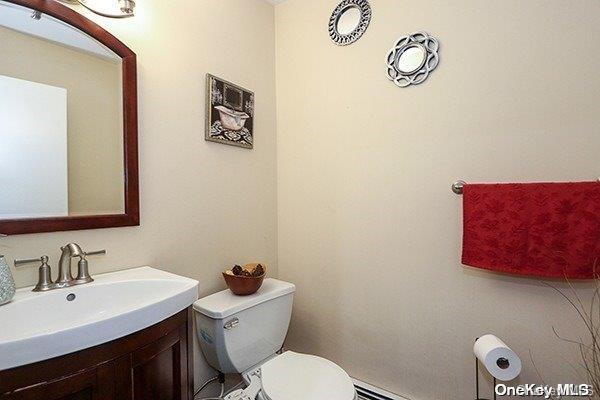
{"x":22,"y":262}
{"x":44,"y":273}
{"x":83,"y":272}
{"x":94,"y":253}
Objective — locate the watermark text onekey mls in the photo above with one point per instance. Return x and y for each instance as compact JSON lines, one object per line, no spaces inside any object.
{"x":545,"y":391}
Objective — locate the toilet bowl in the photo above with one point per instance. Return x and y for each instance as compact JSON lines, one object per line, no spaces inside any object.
{"x":292,"y":376}
{"x":244,"y":334}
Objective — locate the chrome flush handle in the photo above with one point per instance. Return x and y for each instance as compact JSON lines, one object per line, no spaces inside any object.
{"x":232,"y":323}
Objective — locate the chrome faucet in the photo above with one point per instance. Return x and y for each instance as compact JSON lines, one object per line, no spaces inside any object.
{"x":65,"y":274}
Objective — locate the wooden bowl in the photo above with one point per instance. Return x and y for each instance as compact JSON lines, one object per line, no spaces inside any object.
{"x":244,"y":285}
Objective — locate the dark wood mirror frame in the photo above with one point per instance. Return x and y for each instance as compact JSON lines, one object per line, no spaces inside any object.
{"x":131,"y":217}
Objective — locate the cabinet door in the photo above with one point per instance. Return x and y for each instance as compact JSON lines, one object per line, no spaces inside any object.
{"x":152,"y":364}
{"x":92,"y":384}
{"x":159,"y":371}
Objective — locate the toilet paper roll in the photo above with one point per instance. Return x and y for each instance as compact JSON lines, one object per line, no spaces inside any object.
{"x":498,"y":358}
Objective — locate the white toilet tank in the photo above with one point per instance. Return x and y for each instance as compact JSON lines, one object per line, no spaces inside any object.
{"x":238,"y":332}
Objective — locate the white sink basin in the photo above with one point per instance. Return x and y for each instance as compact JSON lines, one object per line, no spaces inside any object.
{"x":39,"y":326}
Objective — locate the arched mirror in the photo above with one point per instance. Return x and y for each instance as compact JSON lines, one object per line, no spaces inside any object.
{"x":68,"y":122}
{"x":349,"y":21}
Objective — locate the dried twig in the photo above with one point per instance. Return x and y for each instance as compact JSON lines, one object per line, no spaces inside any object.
{"x":589,"y":350}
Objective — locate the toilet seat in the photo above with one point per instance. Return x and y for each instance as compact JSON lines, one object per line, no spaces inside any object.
{"x":294,"y":376}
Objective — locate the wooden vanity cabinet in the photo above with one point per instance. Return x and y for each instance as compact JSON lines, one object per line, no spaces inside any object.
{"x":152,"y":364}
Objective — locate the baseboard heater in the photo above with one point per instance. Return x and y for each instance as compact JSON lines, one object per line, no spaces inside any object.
{"x":370,"y":392}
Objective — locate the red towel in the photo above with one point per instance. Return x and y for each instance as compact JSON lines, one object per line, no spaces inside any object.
{"x":537,"y":229}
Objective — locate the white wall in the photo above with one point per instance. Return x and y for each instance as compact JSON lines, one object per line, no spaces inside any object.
{"x":204,"y":206}
{"x":368,"y":227}
{"x":34,"y":149}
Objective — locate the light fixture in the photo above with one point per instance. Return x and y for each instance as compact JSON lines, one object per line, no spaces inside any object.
{"x":125,"y":6}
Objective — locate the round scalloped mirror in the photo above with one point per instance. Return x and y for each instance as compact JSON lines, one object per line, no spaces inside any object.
{"x":349,"y":21}
{"x":412,"y":59}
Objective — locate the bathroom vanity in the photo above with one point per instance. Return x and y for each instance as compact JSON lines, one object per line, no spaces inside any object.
{"x":127,"y":335}
{"x":150,"y":364}
{"x":122,"y":335}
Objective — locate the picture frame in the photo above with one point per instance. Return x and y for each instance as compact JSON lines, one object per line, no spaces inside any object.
{"x":229,"y":113}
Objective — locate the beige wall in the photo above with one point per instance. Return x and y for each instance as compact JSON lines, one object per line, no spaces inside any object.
{"x":368,"y":227}
{"x":203,"y":205}
{"x":95,"y":139}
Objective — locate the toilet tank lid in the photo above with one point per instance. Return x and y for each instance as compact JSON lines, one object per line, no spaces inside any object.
{"x":224,"y":303}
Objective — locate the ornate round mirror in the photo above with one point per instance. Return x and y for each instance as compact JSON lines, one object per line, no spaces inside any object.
{"x":349,"y":21}
{"x":412,"y":59}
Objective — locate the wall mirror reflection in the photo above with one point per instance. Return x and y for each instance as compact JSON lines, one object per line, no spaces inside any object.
{"x":61,"y":119}
{"x":411,"y":59}
{"x":348,"y":20}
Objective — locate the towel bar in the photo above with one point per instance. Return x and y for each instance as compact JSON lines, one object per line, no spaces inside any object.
{"x":457,"y":187}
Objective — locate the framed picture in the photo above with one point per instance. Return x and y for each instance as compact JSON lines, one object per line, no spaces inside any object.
{"x":229,"y":113}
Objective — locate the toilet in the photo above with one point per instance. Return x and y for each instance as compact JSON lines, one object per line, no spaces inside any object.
{"x":244,"y":334}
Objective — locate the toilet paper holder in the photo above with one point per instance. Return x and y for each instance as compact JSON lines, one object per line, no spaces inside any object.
{"x":501,"y":362}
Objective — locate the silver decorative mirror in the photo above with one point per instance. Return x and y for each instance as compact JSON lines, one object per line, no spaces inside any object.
{"x":412,"y":58}
{"x":349,"y":21}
